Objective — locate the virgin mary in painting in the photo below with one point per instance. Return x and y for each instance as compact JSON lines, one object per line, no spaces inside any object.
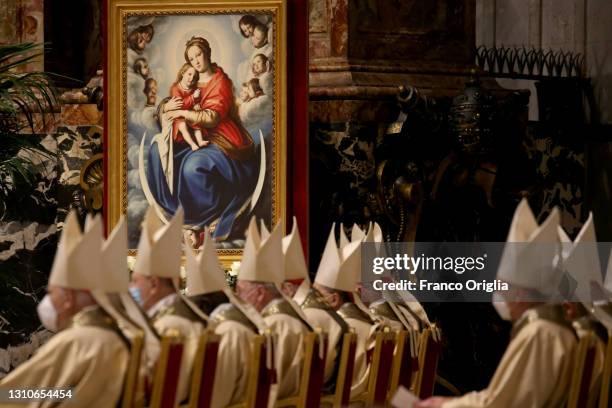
{"x":213,"y":183}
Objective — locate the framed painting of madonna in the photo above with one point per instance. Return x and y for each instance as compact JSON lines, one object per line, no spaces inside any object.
{"x":196,"y":117}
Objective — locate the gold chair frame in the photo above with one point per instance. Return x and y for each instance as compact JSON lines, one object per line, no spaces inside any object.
{"x":342,"y":391}
{"x":606,"y":377}
{"x":429,"y":353}
{"x":258,"y":357}
{"x":208,"y":343}
{"x":402,"y":368}
{"x":582,"y":373}
{"x":376,"y":381}
{"x":131,"y":382}
{"x":300,"y":400}
{"x":171,"y":343}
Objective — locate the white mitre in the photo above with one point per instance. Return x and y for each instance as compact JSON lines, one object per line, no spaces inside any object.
{"x":375,"y":236}
{"x":339,"y":268}
{"x":85,"y":264}
{"x":159,"y":251}
{"x":78,"y":260}
{"x":264,"y":232}
{"x":205,"y":275}
{"x":114,"y":252}
{"x":608,"y":281}
{"x":528,"y":257}
{"x":117,"y":279}
{"x":159,"y":248}
{"x":265,"y":263}
{"x":294,"y":262}
{"x":262,"y":259}
{"x":343,"y":238}
{"x":581,"y":261}
{"x":604,"y":316}
{"x":357,"y":234}
{"x":377,"y":233}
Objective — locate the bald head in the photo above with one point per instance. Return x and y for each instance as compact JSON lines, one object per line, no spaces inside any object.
{"x":335,"y":298}
{"x":289,"y":287}
{"x":68,"y":302}
{"x":258,"y":294}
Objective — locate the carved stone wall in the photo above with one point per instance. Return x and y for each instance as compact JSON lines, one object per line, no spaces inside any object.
{"x":28,"y":242}
{"x":360,"y":51}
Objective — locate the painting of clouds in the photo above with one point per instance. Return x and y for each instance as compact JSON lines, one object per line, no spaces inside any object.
{"x":200,"y":117}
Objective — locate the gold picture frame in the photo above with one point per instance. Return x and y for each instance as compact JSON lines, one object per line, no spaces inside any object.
{"x":178,"y":23}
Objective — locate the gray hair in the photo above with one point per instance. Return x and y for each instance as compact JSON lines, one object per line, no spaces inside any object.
{"x":82,"y":298}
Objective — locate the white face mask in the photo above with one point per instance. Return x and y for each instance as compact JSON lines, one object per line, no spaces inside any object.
{"x":501,"y":307}
{"x":47,"y":314}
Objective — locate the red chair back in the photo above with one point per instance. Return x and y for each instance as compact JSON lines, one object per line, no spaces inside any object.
{"x":384,"y":373}
{"x":315,"y":381}
{"x":350,"y":368}
{"x":429,"y":367}
{"x":209,"y":368}
{"x":585,"y":383}
{"x":265,"y":379}
{"x":407,"y":365}
{"x":171,"y":379}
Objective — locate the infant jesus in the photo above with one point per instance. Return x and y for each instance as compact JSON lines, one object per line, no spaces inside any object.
{"x":185,"y":88}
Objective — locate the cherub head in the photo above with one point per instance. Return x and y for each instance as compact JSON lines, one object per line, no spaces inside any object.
{"x":140,"y":37}
{"x":136,"y":42}
{"x":141,"y":67}
{"x":250,"y":90}
{"x":247,"y":24}
{"x":259,"y":65}
{"x":146,"y":32}
{"x":260,"y":36}
{"x":244,"y":92}
{"x":150,"y":90}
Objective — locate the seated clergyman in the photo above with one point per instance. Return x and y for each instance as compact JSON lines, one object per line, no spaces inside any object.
{"x":336,"y":280}
{"x":318,"y":313}
{"x":232,"y":320}
{"x":260,"y":271}
{"x":153,"y":285}
{"x":89,"y":354}
{"x":535,"y":370}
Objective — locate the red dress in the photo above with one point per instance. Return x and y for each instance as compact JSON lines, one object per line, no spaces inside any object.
{"x":188,"y":103}
{"x":217,"y":95}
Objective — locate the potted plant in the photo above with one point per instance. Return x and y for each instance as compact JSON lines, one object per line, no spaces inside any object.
{"x":23,"y":96}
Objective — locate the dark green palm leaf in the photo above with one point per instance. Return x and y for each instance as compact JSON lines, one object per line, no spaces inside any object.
{"x":29,"y":93}
{"x":23,"y":96}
